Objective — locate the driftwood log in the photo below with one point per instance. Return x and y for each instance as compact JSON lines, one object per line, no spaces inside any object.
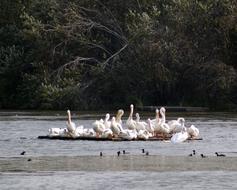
{"x":108,"y":139}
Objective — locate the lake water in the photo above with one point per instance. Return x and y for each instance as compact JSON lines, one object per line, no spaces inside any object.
{"x":19,"y":131}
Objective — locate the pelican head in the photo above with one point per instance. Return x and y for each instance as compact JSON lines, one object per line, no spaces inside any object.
{"x":181,"y":120}
{"x":162,"y":109}
{"x":120,"y":112}
{"x":119,"y":115}
{"x":113,"y":119}
{"x":149,"y":121}
{"x":184,"y":129}
{"x":137,"y":116}
{"x":157,"y":113}
{"x":107,"y":116}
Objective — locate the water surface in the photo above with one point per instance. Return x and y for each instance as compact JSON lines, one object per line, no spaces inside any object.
{"x":19,"y":131}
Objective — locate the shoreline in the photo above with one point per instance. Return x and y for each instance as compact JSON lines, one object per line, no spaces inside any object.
{"x":128,"y":162}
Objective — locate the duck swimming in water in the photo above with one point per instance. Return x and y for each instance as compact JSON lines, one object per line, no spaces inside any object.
{"x":217,"y":154}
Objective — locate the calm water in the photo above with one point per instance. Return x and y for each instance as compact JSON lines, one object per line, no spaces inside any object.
{"x":19,"y":131}
{"x":119,"y":180}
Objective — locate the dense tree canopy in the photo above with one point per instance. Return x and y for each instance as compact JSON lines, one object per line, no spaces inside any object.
{"x":97,"y":54}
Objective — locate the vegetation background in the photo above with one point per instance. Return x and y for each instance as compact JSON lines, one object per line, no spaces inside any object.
{"x":101,"y":54}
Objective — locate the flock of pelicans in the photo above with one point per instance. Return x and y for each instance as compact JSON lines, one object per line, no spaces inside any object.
{"x":132,"y":129}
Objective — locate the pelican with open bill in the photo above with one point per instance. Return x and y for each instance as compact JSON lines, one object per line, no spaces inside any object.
{"x":108,"y":139}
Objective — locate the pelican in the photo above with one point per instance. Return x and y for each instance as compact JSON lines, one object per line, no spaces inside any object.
{"x":140,"y":125}
{"x":119,"y":116}
{"x":193,"y":131}
{"x":155,"y":121}
{"x":131,"y":124}
{"x":71,"y":127}
{"x":162,"y":113}
{"x":115,"y":127}
{"x":128,"y":134}
{"x":107,"y":133}
{"x":57,"y":132}
{"x":79,"y":130}
{"x":89,"y":133}
{"x":150,"y":127}
{"x":132,"y":133}
{"x":176,"y":125}
{"x":164,"y":127}
{"x":99,"y":127}
{"x":143,"y":134}
{"x":180,"y":137}
{"x":107,"y":123}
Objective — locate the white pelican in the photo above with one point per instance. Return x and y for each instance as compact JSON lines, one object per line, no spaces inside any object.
{"x":140,"y":125}
{"x":57,"y":132}
{"x":119,"y":116}
{"x":89,"y":133}
{"x":115,"y":127}
{"x":71,"y":127}
{"x":132,"y":133}
{"x":180,"y":137}
{"x":156,"y":120}
{"x":156,"y":123}
{"x":99,"y":127}
{"x":108,"y":133}
{"x":79,"y":130}
{"x":128,"y":134}
{"x":176,"y":125}
{"x":150,"y":127}
{"x":107,"y":123}
{"x":130,"y":123}
{"x":143,"y":134}
{"x":193,"y":131}
{"x":164,"y":127}
{"x":162,"y":113}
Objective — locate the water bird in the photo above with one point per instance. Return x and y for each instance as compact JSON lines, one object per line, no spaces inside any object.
{"x":164,"y":127}
{"x":190,"y":155}
{"x":147,"y":153}
{"x":131,"y":124}
{"x":101,"y":154}
{"x":150,"y":128}
{"x":194,"y":152}
{"x":107,"y":123}
{"x":176,"y":125}
{"x":115,"y":127}
{"x":193,"y":131}
{"x":23,"y":153}
{"x":217,"y":154}
{"x":124,"y":152}
{"x":119,"y":116}
{"x":71,"y":126}
{"x":180,"y":137}
{"x":143,"y":150}
{"x":203,"y":156}
{"x":29,"y":160}
{"x":140,"y":125}
{"x":118,"y":153}
{"x":98,"y":127}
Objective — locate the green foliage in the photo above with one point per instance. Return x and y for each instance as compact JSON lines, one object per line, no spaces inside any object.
{"x":58,"y":54}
